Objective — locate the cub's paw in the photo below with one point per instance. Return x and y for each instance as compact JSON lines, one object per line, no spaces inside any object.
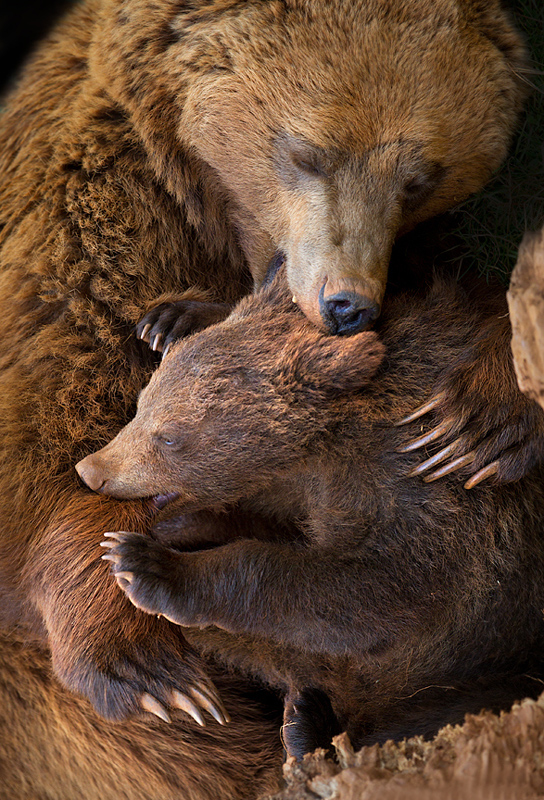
{"x":150,"y":574}
{"x":309,"y":722}
{"x":167,"y":322}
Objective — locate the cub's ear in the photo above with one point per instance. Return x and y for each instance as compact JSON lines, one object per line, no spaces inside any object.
{"x":338,"y":364}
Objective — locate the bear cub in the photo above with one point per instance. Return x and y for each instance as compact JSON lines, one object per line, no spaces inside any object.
{"x":376,"y":603}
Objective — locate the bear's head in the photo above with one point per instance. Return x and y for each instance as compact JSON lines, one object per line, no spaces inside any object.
{"x":234,"y":407}
{"x":328,"y":128}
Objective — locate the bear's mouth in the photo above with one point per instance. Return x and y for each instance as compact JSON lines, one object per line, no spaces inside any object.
{"x":160,"y":501}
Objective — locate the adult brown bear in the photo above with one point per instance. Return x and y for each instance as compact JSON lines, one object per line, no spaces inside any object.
{"x":326,"y":131}
{"x":407,"y":604}
{"x":157,"y":146}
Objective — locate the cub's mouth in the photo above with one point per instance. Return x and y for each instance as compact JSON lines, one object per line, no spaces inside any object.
{"x":160,"y":501}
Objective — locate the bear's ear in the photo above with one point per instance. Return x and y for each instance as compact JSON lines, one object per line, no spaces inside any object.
{"x":340,"y":364}
{"x":492,"y":20}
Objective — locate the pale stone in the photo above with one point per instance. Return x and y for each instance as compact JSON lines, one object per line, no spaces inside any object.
{"x":526,"y":304}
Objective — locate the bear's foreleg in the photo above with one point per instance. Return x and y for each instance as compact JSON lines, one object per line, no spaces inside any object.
{"x":317,"y":601}
{"x":121,"y":660}
{"x":482,"y":425}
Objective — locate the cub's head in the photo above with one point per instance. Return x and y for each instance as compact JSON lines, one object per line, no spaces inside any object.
{"x":233,"y":407}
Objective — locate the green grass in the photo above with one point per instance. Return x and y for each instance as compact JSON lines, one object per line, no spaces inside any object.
{"x":491,"y":224}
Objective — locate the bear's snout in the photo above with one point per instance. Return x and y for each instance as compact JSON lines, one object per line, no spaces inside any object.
{"x":91,"y":471}
{"x":345,"y":313}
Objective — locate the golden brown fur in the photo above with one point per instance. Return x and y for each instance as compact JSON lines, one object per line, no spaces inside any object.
{"x":136,"y":158}
{"x":379,"y":115}
{"x":54,"y":745}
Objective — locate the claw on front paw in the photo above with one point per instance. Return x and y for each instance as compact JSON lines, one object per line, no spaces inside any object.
{"x":200,"y":698}
{"x":430,"y":405}
{"x":195,"y":700}
{"x":151,"y":704}
{"x":442,"y":455}
{"x":429,"y":437}
{"x":124,"y":579}
{"x":487,"y":472}
{"x":456,"y":454}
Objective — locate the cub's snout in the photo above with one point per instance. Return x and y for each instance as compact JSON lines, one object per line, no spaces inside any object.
{"x":91,"y":471}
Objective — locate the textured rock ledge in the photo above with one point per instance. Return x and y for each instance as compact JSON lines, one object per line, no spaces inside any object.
{"x":526,"y":304}
{"x":489,"y":757}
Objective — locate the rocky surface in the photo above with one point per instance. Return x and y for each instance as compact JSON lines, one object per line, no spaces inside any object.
{"x":489,"y":757}
{"x":526,"y":304}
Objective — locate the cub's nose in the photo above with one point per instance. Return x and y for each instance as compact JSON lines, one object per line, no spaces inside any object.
{"x":345,"y":313}
{"x":90,"y":472}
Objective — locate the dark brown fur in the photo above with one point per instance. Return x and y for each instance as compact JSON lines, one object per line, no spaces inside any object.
{"x":117,"y":184}
{"x":407,"y":604}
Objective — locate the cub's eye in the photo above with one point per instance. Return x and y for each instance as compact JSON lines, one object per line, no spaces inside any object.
{"x":166,"y":439}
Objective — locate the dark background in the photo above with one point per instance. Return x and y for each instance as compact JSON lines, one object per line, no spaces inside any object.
{"x":22,"y":23}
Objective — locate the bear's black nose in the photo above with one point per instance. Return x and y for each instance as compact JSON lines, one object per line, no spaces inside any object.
{"x":345,"y":313}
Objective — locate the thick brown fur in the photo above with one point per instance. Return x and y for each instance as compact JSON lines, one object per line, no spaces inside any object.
{"x":54,"y":746}
{"x":407,"y":604}
{"x":146,"y":150}
{"x":89,"y":237}
{"x":378,"y":116}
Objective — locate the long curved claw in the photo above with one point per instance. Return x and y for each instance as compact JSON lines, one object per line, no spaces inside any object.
{"x":427,"y":438}
{"x":454,"y":465}
{"x":482,"y":474}
{"x":115,"y":535}
{"x":430,"y":405}
{"x":184,"y":703}
{"x":151,"y":704}
{"x":434,"y":460}
{"x":124,"y":578}
{"x":145,"y":331}
{"x":210,"y":703}
{"x":157,"y":342}
{"x":107,"y":544}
